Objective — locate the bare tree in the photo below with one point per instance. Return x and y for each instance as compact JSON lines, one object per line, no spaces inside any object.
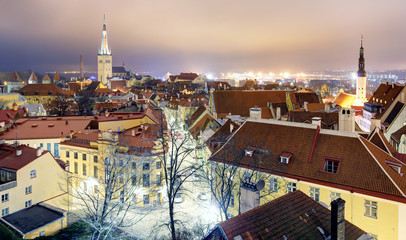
{"x":105,"y":201}
{"x":178,"y":165}
{"x":228,"y":169}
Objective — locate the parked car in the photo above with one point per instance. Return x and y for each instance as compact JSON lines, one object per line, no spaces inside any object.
{"x":178,"y":198}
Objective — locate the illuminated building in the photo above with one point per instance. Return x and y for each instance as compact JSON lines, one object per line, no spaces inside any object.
{"x":104,"y":58}
{"x":362,"y":78}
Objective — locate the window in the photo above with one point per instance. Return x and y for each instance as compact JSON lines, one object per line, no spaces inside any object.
{"x":158,"y":165}
{"x":273,"y":184}
{"x":133,"y":165}
{"x":232,"y":200}
{"x":84,"y":169}
{"x":331,"y":165}
{"x":49,"y":147}
{"x":95,"y":159}
{"x":67,"y":164}
{"x":291,"y":187}
{"x":158,"y":179}
{"x":4,"y":211}
{"x":133,"y":180}
{"x":145,"y":180}
{"x":84,"y":156}
{"x":33,"y":174}
{"x":285,"y":157}
{"x":284,"y":160}
{"x":314,"y":193}
{"x":28,"y":203}
{"x":371,"y":209}
{"x":121,"y":179}
{"x":145,"y":166}
{"x":56,"y":150}
{"x":122,"y":196}
{"x":4,"y":197}
{"x":67,"y":154}
{"x":146,"y":199}
{"x":41,"y":145}
{"x":96,"y":188}
{"x":75,"y":155}
{"x":249,"y":153}
{"x":158,"y":197}
{"x":76,"y":168}
{"x":96,"y":172}
{"x":28,"y":190}
{"x":100,"y":61}
{"x":334,"y":196}
{"x":107,"y":61}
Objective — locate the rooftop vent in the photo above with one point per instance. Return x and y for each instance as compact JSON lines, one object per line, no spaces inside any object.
{"x":19,"y":152}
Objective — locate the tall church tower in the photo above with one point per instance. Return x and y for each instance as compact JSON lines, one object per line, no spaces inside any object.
{"x":104,"y":58}
{"x":362,"y":77}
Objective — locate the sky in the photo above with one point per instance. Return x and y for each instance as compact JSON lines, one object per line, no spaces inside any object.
{"x":210,"y":36}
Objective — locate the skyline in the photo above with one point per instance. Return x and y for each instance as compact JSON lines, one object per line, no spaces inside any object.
{"x":202,"y":37}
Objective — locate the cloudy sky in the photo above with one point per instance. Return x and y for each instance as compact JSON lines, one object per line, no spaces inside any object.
{"x":159,"y":36}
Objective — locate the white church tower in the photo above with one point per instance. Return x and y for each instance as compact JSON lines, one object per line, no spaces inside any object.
{"x":104,"y":59}
{"x":362,"y":78}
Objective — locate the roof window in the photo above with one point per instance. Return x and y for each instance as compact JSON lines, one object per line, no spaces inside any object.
{"x":331,"y":165}
{"x":249,"y":151}
{"x":285,"y":157}
{"x":395,"y":166}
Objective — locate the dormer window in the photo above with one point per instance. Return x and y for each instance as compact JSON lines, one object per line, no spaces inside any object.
{"x":249,"y":151}
{"x":285,"y":157}
{"x":331,"y":165}
{"x":395,"y":166}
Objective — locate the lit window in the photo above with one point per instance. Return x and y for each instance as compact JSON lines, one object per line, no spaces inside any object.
{"x":33,"y":173}
{"x":314,"y":193}
{"x":331,"y":165}
{"x":291,"y":187}
{"x":273,"y":184}
{"x":371,"y":209}
{"x":249,"y":153}
{"x":28,"y":203}
{"x":4,"y":197}
{"x":4,"y":211}
{"x":334,"y":196}
{"x":28,"y":190}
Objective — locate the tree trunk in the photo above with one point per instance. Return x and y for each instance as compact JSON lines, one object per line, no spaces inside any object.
{"x":172,"y":221}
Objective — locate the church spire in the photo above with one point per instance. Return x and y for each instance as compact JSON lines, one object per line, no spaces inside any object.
{"x":104,"y":48}
{"x":361,"y":61}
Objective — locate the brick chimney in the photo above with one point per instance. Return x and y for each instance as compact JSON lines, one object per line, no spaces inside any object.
{"x":337,"y":220}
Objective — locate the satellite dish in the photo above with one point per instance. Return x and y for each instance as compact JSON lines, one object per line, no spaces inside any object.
{"x":260,"y":185}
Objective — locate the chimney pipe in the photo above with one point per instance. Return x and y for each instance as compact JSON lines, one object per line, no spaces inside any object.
{"x":39,"y":151}
{"x":19,"y":152}
{"x":133,"y":132}
{"x":81,"y":66}
{"x":278,"y":113}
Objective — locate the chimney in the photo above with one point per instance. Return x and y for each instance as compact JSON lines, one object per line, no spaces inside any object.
{"x":81,"y":66}
{"x":19,"y":152}
{"x":39,"y":151}
{"x":305,"y":106}
{"x":346,"y":120}
{"x":249,"y":196}
{"x":327,"y":107}
{"x":316,"y":121}
{"x":255,"y":113}
{"x":278,"y":113}
{"x":133,"y":133}
{"x":231,"y":128}
{"x":66,"y":122}
{"x":337,"y":220}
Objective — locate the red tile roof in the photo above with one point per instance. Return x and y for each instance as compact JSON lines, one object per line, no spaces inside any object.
{"x":36,"y":128}
{"x":293,"y":215}
{"x":9,"y":160}
{"x":15,"y":77}
{"x":310,"y":149}
{"x":42,"y":90}
{"x":385,"y":94}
